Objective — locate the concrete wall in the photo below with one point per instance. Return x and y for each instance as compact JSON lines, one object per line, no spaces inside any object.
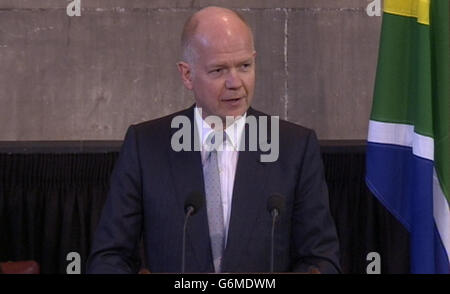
{"x":89,"y":77}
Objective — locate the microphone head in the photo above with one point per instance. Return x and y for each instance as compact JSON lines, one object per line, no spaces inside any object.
{"x":275,"y":202}
{"x":195,"y":201}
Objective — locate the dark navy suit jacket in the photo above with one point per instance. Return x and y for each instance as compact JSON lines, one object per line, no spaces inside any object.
{"x":149,"y":186}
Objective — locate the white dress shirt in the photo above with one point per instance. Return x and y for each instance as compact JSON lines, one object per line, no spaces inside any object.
{"x":227,"y":159}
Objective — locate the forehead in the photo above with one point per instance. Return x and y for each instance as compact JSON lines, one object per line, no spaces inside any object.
{"x":224,"y":49}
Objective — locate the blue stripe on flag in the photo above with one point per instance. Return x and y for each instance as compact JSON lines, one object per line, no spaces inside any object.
{"x":441,"y":258}
{"x":403,"y":182}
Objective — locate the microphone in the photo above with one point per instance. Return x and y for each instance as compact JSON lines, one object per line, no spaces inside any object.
{"x":275,"y":206}
{"x":192,"y":204}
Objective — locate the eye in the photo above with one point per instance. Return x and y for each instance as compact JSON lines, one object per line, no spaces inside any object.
{"x":246,"y":66}
{"x":216,"y":71}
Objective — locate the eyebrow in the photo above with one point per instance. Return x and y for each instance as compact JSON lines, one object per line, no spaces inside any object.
{"x":214,"y":65}
{"x":247,"y":60}
{"x":224,"y":64}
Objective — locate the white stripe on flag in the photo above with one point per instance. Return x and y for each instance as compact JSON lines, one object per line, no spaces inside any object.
{"x":403,"y":135}
{"x":441,"y":213}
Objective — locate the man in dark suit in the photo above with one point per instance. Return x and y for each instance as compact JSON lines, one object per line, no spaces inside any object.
{"x":152,"y":179}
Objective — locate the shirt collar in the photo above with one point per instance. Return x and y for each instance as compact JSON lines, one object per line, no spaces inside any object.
{"x":233,"y":131}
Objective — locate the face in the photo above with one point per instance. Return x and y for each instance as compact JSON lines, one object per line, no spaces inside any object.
{"x":222,"y":75}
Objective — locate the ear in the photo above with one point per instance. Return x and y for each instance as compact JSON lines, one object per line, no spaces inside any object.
{"x":186,"y":74}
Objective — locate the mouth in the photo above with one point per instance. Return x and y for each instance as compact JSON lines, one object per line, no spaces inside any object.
{"x":232,"y":100}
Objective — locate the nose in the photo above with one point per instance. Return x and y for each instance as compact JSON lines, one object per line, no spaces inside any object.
{"x":233,"y":81}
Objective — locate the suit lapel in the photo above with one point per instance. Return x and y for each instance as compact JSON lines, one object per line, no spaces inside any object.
{"x":187,"y":173}
{"x":248,"y":202}
{"x":249,"y":199}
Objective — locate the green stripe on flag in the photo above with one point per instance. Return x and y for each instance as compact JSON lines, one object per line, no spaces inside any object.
{"x":412,"y":80}
{"x":403,"y":86}
{"x":440,"y":64}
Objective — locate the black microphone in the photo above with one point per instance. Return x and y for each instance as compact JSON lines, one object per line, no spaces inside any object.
{"x":275,"y":206}
{"x":192,"y":204}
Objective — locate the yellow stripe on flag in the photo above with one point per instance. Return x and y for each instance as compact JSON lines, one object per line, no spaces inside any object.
{"x":419,"y":9}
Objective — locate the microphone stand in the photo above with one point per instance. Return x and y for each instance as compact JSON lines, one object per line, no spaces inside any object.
{"x":274,"y":217}
{"x":190,"y":210}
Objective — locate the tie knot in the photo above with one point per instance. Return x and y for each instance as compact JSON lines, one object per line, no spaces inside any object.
{"x":215,"y":141}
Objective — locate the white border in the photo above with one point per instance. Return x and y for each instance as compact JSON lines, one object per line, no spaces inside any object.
{"x":403,"y":135}
{"x":422,"y":146}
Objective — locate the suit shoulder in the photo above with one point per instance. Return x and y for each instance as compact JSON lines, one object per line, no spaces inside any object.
{"x":288,"y":128}
{"x":295,"y":129}
{"x":161,"y":124}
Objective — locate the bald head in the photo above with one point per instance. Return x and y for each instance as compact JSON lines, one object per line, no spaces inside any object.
{"x":218,"y":63}
{"x":211,"y":24}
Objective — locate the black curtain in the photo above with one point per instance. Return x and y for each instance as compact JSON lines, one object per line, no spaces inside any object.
{"x":50,"y":205}
{"x":363,"y":224}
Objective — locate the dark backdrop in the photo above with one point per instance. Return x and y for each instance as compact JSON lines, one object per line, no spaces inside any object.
{"x":50,"y":203}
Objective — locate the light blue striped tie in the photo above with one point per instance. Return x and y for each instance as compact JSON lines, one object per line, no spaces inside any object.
{"x":214,"y":207}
